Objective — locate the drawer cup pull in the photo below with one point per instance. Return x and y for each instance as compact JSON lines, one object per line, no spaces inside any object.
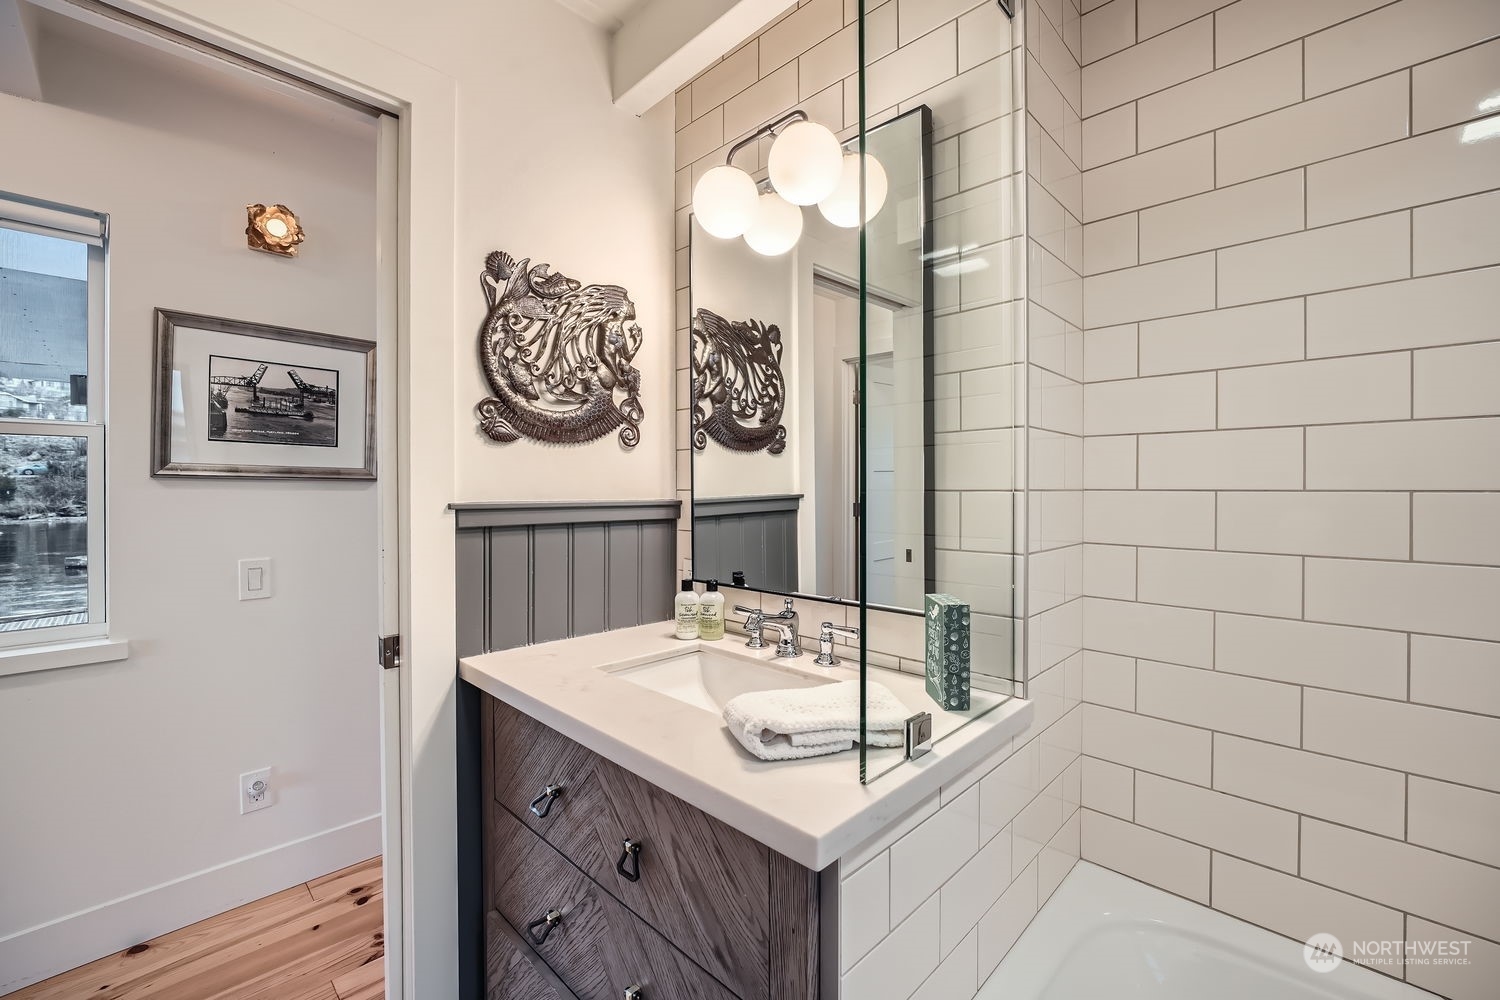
{"x":542,"y":804}
{"x":634,"y":993}
{"x":632,"y":857}
{"x":545,"y":925}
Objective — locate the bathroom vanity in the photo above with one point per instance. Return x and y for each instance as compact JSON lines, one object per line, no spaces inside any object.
{"x":633,"y":849}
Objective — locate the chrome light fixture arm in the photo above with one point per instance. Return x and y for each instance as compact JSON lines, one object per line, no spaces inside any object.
{"x":769,"y":128}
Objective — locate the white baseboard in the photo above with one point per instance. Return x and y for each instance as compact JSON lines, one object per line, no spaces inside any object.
{"x":39,"y":952}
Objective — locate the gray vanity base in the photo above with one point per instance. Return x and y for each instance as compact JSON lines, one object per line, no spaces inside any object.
{"x":713,"y":914}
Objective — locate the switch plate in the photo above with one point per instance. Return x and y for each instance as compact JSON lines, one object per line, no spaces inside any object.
{"x":255,"y":791}
{"x":255,"y":579}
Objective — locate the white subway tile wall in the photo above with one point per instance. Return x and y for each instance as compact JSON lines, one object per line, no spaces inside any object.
{"x":933,"y":905}
{"x":1045,"y":833}
{"x":1291,"y":672}
{"x":944,"y":895}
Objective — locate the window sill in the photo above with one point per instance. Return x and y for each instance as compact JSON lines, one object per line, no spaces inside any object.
{"x":52,"y":656}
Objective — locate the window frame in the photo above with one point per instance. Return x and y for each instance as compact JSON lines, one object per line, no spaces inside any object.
{"x":93,"y":429}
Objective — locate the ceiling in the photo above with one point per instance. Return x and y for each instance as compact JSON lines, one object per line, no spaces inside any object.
{"x":607,"y":14}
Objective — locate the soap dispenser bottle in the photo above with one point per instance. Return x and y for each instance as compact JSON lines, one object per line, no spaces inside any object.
{"x":711,"y":613}
{"x":686,"y":612}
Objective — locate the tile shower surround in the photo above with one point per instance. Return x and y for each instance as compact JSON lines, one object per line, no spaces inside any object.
{"x":931,"y":907}
{"x":1288,"y":451}
{"x":1291,"y":431}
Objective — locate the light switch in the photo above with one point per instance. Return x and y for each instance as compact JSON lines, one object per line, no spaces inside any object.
{"x":255,"y":579}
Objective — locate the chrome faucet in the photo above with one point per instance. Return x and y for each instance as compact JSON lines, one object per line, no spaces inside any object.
{"x":755,"y":623}
{"x":786,"y":621}
{"x":825,"y":643}
{"x":786,"y":646}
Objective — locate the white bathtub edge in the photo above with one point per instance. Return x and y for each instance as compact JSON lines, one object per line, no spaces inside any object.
{"x":1091,"y":897}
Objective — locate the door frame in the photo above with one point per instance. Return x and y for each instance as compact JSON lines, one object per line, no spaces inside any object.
{"x":848,"y":542}
{"x":419,"y":795}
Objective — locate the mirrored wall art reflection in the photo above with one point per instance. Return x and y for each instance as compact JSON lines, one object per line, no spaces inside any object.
{"x":739,"y":394}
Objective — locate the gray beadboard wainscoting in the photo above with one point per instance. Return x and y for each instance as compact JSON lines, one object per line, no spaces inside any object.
{"x":535,"y":572}
{"x":754,"y":535}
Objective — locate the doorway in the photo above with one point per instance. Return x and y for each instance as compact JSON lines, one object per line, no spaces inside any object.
{"x":172,"y":144}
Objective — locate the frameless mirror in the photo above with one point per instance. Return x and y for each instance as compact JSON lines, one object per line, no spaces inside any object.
{"x":776,"y":404}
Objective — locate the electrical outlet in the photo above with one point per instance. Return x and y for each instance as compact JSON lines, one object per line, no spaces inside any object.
{"x":255,"y":791}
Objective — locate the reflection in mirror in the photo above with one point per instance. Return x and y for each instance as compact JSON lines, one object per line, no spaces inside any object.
{"x":776,"y":408}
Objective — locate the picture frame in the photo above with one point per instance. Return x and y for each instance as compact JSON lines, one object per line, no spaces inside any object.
{"x":236,"y":399}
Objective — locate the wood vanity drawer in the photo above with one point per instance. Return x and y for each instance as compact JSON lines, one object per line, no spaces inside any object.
{"x":701,"y":883}
{"x":598,"y":948}
{"x":512,"y":970}
{"x":528,"y":758}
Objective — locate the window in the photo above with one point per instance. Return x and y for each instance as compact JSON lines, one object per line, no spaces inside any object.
{"x":51,"y":423}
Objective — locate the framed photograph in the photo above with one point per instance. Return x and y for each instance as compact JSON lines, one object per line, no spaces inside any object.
{"x":245,"y":399}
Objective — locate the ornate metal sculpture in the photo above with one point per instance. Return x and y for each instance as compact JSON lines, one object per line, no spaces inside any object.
{"x":555,"y":352}
{"x":739,"y":393}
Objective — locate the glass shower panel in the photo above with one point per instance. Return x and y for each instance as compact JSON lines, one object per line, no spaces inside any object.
{"x":941,"y":312}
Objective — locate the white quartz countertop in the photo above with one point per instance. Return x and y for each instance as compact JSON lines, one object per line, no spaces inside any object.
{"x":813,"y":811}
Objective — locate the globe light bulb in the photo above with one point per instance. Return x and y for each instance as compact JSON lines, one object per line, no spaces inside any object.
{"x":805,"y":163}
{"x":777,"y":226}
{"x":725,"y":202}
{"x":842,"y":207}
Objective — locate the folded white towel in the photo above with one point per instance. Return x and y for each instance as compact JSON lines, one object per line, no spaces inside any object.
{"x":812,"y":721}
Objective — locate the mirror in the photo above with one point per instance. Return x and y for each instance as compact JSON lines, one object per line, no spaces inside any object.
{"x":777,"y":370}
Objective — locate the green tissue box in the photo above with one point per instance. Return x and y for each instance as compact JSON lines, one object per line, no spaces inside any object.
{"x":948,"y":651}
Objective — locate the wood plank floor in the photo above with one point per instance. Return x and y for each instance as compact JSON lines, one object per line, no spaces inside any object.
{"x":320,"y":941}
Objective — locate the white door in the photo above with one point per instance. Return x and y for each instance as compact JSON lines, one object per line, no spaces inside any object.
{"x":387,"y":183}
{"x":879,"y":510}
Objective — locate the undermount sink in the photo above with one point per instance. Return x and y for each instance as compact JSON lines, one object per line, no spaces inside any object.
{"x":708,"y":680}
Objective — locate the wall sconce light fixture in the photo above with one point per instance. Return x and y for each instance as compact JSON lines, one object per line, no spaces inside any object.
{"x":842,"y":206}
{"x":807,"y":166}
{"x":273,"y":229}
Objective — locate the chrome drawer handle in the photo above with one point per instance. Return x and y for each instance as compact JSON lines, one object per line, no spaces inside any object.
{"x":632,"y":857}
{"x":634,"y":993}
{"x":542,"y":804}
{"x":551,"y":920}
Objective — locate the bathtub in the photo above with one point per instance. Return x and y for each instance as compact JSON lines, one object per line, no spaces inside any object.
{"x":1103,"y":935}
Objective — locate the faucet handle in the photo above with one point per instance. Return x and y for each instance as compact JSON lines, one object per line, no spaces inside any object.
{"x":825,"y":642}
{"x":755,"y":623}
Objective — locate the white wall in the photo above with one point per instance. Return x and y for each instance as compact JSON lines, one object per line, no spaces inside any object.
{"x":548,"y":169}
{"x":1293,"y":442}
{"x":121,"y":778}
